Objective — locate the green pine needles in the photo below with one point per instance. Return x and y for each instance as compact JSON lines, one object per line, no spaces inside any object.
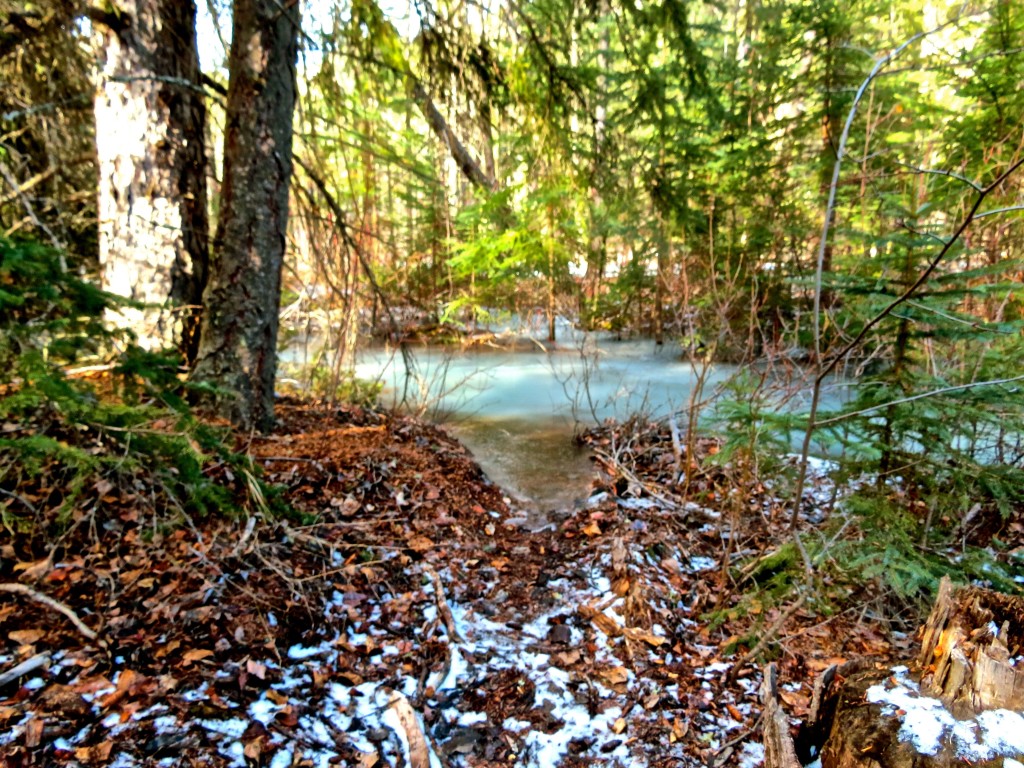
{"x":81,"y":449}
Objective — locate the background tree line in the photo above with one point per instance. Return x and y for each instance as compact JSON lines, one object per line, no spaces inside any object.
{"x":661,"y":170}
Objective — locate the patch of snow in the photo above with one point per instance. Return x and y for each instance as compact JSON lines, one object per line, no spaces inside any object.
{"x":233,"y":727}
{"x":926,"y":723}
{"x":298,"y":652}
{"x":472,"y":718}
{"x":699,"y":563}
{"x":635,"y":503}
{"x":166,"y":724}
{"x":264,"y":710}
{"x":456,"y":668}
{"x":752,"y":755}
{"x":713,"y":669}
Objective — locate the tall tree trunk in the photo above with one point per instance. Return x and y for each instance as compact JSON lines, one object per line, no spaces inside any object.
{"x":150,"y":126}
{"x":237,"y":351}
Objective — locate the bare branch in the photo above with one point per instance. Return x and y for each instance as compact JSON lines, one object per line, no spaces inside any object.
{"x":919,"y":396}
{"x":940,"y":172}
{"x":1008,"y":209}
{"x":840,"y":155}
{"x":49,"y":602}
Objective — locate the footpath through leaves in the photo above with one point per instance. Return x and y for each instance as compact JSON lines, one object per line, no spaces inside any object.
{"x":408,"y":620}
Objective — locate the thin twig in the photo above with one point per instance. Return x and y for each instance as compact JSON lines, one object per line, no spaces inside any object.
{"x":442,"y":604}
{"x":766,"y":638}
{"x":920,"y":396}
{"x":49,"y":602}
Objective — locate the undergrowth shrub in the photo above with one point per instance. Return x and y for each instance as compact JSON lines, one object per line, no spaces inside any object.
{"x":78,"y":450}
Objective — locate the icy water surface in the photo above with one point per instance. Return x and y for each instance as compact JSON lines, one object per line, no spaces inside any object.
{"x":517,"y":411}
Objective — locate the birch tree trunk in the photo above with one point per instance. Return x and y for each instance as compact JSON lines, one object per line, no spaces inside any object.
{"x":150,"y":124}
{"x":237,"y":350}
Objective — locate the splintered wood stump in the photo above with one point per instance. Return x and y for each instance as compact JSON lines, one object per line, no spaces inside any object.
{"x":779,"y":751}
{"x":863,"y":716}
{"x":966,"y":648}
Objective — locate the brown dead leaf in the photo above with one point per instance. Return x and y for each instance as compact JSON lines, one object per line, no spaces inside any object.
{"x":278,"y":698}
{"x":127,"y":679}
{"x":593,"y":529}
{"x":797,"y":703}
{"x":92,"y":684}
{"x":633,"y":633}
{"x":621,"y":586}
{"x":420,"y":544}
{"x":619,"y":725}
{"x":33,"y":732}
{"x":615,"y":675}
{"x":820,"y":665}
{"x":565,"y":658}
{"x":97,"y":753}
{"x":253,"y":750}
{"x":26,"y":636}
{"x":35,"y":570}
{"x":618,"y":555}
{"x":171,"y":647}
{"x":196,"y":654}
{"x":256,"y":669}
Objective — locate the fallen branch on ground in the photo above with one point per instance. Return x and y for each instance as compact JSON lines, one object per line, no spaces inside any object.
{"x":49,"y":602}
{"x":29,"y":665}
{"x":442,"y":604}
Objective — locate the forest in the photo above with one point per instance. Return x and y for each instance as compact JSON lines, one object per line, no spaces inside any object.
{"x":553,"y":383}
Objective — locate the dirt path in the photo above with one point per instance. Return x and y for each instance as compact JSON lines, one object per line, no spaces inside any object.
{"x":408,"y":623}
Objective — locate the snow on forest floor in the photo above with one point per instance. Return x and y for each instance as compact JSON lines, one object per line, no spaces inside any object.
{"x":416,"y":623}
{"x":306,"y":716}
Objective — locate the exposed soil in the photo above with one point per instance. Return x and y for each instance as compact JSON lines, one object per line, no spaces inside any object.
{"x":615,"y":639}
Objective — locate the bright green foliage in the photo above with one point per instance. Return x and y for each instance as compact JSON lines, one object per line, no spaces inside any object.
{"x":889,"y":554}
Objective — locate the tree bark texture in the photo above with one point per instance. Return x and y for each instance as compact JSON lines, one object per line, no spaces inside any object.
{"x":237,"y":351}
{"x":150,"y":123}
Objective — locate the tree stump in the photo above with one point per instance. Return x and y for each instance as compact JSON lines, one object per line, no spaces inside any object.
{"x":967,"y":709}
{"x":966,"y":650}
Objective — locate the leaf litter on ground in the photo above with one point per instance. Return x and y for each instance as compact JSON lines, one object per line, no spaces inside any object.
{"x":409,"y":619}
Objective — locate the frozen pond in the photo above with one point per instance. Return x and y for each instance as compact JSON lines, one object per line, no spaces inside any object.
{"x":517,"y":411}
